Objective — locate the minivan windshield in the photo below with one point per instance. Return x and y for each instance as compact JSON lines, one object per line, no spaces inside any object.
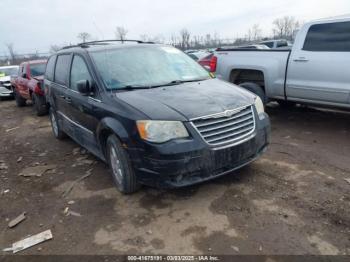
{"x":151,"y":66}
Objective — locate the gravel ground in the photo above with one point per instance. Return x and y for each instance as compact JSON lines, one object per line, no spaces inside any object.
{"x":294,"y":200}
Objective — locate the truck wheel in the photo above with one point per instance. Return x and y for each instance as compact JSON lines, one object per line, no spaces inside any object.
{"x":286,"y":104}
{"x":123,"y":173}
{"x":256,"y":89}
{"x":20,"y":101}
{"x":55,"y":124}
{"x":39,"y":105}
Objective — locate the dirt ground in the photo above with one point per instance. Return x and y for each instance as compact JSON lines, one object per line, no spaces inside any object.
{"x":294,"y":200}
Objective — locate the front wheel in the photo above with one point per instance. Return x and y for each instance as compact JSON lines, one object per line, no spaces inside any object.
{"x":256,"y":89}
{"x":123,"y":173}
{"x":55,"y":124}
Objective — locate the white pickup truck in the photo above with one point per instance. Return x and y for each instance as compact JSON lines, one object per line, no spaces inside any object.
{"x":316,"y":70}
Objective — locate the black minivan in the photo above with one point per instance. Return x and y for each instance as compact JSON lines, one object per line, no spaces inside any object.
{"x":152,"y":113}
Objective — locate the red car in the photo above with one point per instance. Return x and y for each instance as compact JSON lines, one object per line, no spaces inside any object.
{"x":28,"y":85}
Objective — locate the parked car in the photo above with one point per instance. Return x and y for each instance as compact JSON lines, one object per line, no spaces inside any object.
{"x":6,"y":72}
{"x":28,"y":85}
{"x":315,"y":71}
{"x":248,"y":47}
{"x":196,"y":56}
{"x":155,"y":115}
{"x":277,"y":43}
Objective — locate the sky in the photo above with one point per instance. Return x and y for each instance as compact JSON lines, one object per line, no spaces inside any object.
{"x":35,"y":25}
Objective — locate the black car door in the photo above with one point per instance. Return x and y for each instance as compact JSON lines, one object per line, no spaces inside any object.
{"x":58,"y":91}
{"x":82,"y":108}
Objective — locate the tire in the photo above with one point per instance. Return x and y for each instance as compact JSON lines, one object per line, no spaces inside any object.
{"x":55,"y":125}
{"x":39,"y":105}
{"x":286,"y":104}
{"x":20,"y":101}
{"x":119,"y":162}
{"x":256,"y":89}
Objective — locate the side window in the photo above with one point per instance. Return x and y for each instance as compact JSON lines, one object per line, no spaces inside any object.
{"x":50,"y":68}
{"x":79,"y":72}
{"x":331,"y":37}
{"x":268,"y":44}
{"x":282,"y":43}
{"x":24,"y":71}
{"x":62,"y":69}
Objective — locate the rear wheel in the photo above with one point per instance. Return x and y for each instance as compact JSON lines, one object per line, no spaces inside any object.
{"x":20,"y":101}
{"x":256,"y":89}
{"x":39,"y":105}
{"x":55,"y":124}
{"x":123,"y":173}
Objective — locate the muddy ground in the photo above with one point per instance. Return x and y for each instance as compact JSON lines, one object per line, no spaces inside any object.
{"x":294,"y":200}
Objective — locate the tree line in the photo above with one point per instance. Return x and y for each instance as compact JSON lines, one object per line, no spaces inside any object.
{"x":282,"y":28}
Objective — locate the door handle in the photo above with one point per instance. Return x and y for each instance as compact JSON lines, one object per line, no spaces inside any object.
{"x":69,"y":100}
{"x":301,"y":59}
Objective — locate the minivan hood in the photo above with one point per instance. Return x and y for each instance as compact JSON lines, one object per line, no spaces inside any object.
{"x":187,"y":101}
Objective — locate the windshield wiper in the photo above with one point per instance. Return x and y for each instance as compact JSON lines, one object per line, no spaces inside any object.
{"x":179,"y":82}
{"x":132,"y":87}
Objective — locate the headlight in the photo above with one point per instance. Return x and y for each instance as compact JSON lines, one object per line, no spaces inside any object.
{"x":161,"y":131}
{"x":259,"y":107}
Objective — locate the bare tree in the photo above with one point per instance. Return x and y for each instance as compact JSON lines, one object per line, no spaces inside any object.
{"x":256,"y":32}
{"x":11,"y":51}
{"x":285,"y":27}
{"x":120,"y":33}
{"x":84,"y":36}
{"x":185,"y":38}
{"x":54,"y":48}
{"x":174,"y":40}
{"x":144,"y":38}
{"x":208,"y":40}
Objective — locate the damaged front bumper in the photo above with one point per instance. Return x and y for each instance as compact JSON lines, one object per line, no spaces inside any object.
{"x":186,"y":162}
{"x":5,"y":91}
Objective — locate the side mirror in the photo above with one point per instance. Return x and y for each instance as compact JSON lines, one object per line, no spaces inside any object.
{"x":84,"y":87}
{"x":24,"y":75}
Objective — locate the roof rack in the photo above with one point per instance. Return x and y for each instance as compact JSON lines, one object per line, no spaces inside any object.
{"x":104,"y":42}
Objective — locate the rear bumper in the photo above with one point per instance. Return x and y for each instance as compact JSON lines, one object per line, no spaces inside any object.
{"x":197,"y":165}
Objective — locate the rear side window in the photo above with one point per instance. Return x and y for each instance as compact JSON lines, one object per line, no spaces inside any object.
{"x":62,"y":69}
{"x":268,"y":44}
{"x":79,"y":72}
{"x":331,"y":37}
{"x":50,"y":68}
{"x":282,"y":43}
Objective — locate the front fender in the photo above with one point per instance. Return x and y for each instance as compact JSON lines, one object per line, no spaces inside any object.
{"x":112,"y":125}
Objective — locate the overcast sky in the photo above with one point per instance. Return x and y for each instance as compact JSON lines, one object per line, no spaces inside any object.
{"x":36,"y":24}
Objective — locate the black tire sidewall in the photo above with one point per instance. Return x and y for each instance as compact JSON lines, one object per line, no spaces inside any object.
{"x":255,"y":89}
{"x":60,"y":134}
{"x":128,"y":184}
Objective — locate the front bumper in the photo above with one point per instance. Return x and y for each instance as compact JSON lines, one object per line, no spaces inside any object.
{"x":5,"y":92}
{"x":183,"y":163}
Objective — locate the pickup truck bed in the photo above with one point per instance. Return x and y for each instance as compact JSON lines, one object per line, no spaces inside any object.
{"x":244,"y":68}
{"x":314,"y":71}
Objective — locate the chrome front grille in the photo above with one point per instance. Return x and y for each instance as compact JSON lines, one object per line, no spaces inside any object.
{"x":231,"y":126}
